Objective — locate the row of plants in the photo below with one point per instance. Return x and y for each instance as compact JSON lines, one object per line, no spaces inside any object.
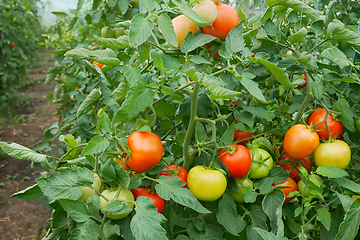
{"x":194,"y":121}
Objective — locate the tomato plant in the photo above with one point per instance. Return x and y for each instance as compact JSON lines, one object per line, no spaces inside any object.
{"x":318,"y":117}
{"x":243,"y":184}
{"x":287,"y":187}
{"x":293,"y":165}
{"x":182,"y":26}
{"x":237,"y":160}
{"x":89,"y":192}
{"x":175,"y":170}
{"x":337,"y":154}
{"x":261,"y":163}
{"x":312,"y":181}
{"x":123,"y":194}
{"x":207,"y":10}
{"x":154,"y":197}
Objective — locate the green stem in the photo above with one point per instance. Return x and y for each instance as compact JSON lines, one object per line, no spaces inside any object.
{"x":318,"y":45}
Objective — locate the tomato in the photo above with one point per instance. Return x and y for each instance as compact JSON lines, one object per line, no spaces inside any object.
{"x":12,"y":44}
{"x":289,"y":53}
{"x":177,"y":171}
{"x":117,"y":9}
{"x":182,"y":26}
{"x":154,"y":197}
{"x":118,"y":32}
{"x":291,"y":186}
{"x":207,"y":10}
{"x":239,"y":135}
{"x":216,"y":1}
{"x":294,"y":173}
{"x":305,"y":189}
{"x":88,"y":192}
{"x":261,"y":163}
{"x":206,"y":184}
{"x":357,"y":123}
{"x":97,"y":64}
{"x":337,"y":154}
{"x":146,"y":151}
{"x":303,"y":85}
{"x":300,"y":142}
{"x":125,"y":196}
{"x":121,"y":161}
{"x":237,"y":161}
{"x":243,"y":184}
{"x":107,"y":32}
{"x":226,"y":19}
{"x":335,"y":126}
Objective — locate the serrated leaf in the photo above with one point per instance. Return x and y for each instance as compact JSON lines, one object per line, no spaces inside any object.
{"x":167,"y":29}
{"x":121,"y":42}
{"x":52,"y":73}
{"x":116,"y":207}
{"x":346,"y":183}
{"x":89,"y":101}
{"x":345,"y":200}
{"x":23,"y":153}
{"x":157,"y":58}
{"x":66,"y":183}
{"x":106,"y":56}
{"x":88,"y":230}
{"x":267,"y":235}
{"x":234,"y":42}
{"x":76,"y":209}
{"x":324,"y":217}
{"x":260,"y":112}
{"x":346,"y":116}
{"x":272,"y":205}
{"x":194,"y":41}
{"x":211,"y":83}
{"x":132,"y":74}
{"x":299,"y":36}
{"x":170,"y":188}
{"x":110,"y":230}
{"x":349,"y":227}
{"x":140,"y":30}
{"x":337,"y":31}
{"x":113,"y":172}
{"x":200,"y":133}
{"x":228,"y":137}
{"x":148,"y":4}
{"x":251,"y":86}
{"x":106,"y":122}
{"x":31,"y":193}
{"x":146,"y":223}
{"x":120,"y":92}
{"x":95,"y":145}
{"x":336,"y":56}
{"x":331,"y":172}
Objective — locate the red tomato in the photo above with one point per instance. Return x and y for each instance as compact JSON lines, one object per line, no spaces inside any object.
{"x":335,"y":126}
{"x":146,"y":151}
{"x":294,"y":173}
{"x":182,"y":26}
{"x":97,"y":64}
{"x":226,"y":19}
{"x":180,"y":172}
{"x":288,"y":183}
{"x":300,"y":142}
{"x":238,"y":135}
{"x":238,"y":162}
{"x":303,"y":85}
{"x":12,"y":44}
{"x":154,"y":197}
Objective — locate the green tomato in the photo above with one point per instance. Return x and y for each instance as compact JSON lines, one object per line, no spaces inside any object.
{"x":207,"y":10}
{"x":261,"y":164}
{"x":117,"y":9}
{"x":243,"y":184}
{"x":118,"y":32}
{"x":313,"y":182}
{"x":107,"y":32}
{"x":206,"y":184}
{"x":125,"y":196}
{"x":89,"y":192}
{"x":289,"y":53}
{"x":357,"y":123}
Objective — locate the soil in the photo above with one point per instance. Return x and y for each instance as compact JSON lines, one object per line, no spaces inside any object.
{"x":21,"y":219}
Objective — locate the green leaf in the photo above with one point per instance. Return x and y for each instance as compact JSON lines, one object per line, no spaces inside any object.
{"x":94,"y":205}
{"x":66,"y":183}
{"x":167,"y":29}
{"x":271,"y":28}
{"x":346,"y":183}
{"x":60,"y":14}
{"x":211,"y":83}
{"x":258,"y":216}
{"x":228,"y":216}
{"x":23,"y":153}
{"x":198,"y":59}
{"x":113,"y":172}
{"x":324,"y":217}
{"x":337,"y":31}
{"x":121,"y":42}
{"x":170,"y":188}
{"x":331,"y":172}
{"x":140,"y":30}
{"x":336,"y":56}
{"x":200,"y":133}
{"x":120,"y":92}
{"x":110,"y":230}
{"x":190,"y":13}
{"x":318,"y":89}
{"x":349,"y":227}
{"x":52,"y":73}
{"x":116,"y":207}
{"x":88,"y":230}
{"x":234,"y":42}
{"x":148,"y":4}
{"x":157,"y":58}
{"x":106,"y":56}
{"x":228,"y":137}
{"x":272,"y":205}
{"x":132,"y":74}
{"x":299,"y":36}
{"x":89,"y":101}
{"x":346,"y":116}
{"x":260,"y":112}
{"x":297,"y":6}
{"x":194,"y":41}
{"x":31,"y":193}
{"x":146,"y":223}
{"x":95,"y":145}
{"x":76,"y":209}
{"x":345,"y":200}
{"x":106,"y":122}
{"x":267,"y":235}
{"x":251,"y":86}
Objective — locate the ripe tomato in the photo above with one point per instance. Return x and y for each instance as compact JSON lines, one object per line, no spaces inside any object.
{"x":303,"y":85}
{"x":97,"y":64}
{"x":337,"y":154}
{"x":177,"y":171}
{"x":125,"y":196}
{"x":146,"y":151}
{"x":291,"y":184}
{"x":154,"y":197}
{"x":300,"y":142}
{"x":12,"y":44}
{"x":294,"y":173}
{"x":206,"y":184}
{"x":88,"y":192}
{"x":238,"y":162}
{"x":226,"y":19}
{"x":239,"y":135}
{"x":243,"y":184}
{"x":261,"y":163}
{"x":335,"y":126}
{"x":182,"y":26}
{"x":122,"y":162}
{"x":207,"y":10}
{"x":305,"y":189}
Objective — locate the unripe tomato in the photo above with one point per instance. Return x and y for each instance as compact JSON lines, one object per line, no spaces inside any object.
{"x":357,"y":123}
{"x":300,"y":142}
{"x":337,"y":154}
{"x":125,"y":196}
{"x":118,"y":32}
{"x":206,"y":10}
{"x":88,"y":192}
{"x":180,"y":172}
{"x":154,"y":197}
{"x":289,"y":53}
{"x":261,"y":163}
{"x":335,"y":126}
{"x":304,"y":190}
{"x":117,"y":9}
{"x":107,"y":32}
{"x":291,"y":184}
{"x":243,"y":184}
{"x":206,"y":184}
{"x":12,"y":44}
{"x":294,"y":173}
{"x":146,"y":151}
{"x":237,"y":162}
{"x":97,"y":64}
{"x":182,"y":26}
{"x":226,"y":19}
